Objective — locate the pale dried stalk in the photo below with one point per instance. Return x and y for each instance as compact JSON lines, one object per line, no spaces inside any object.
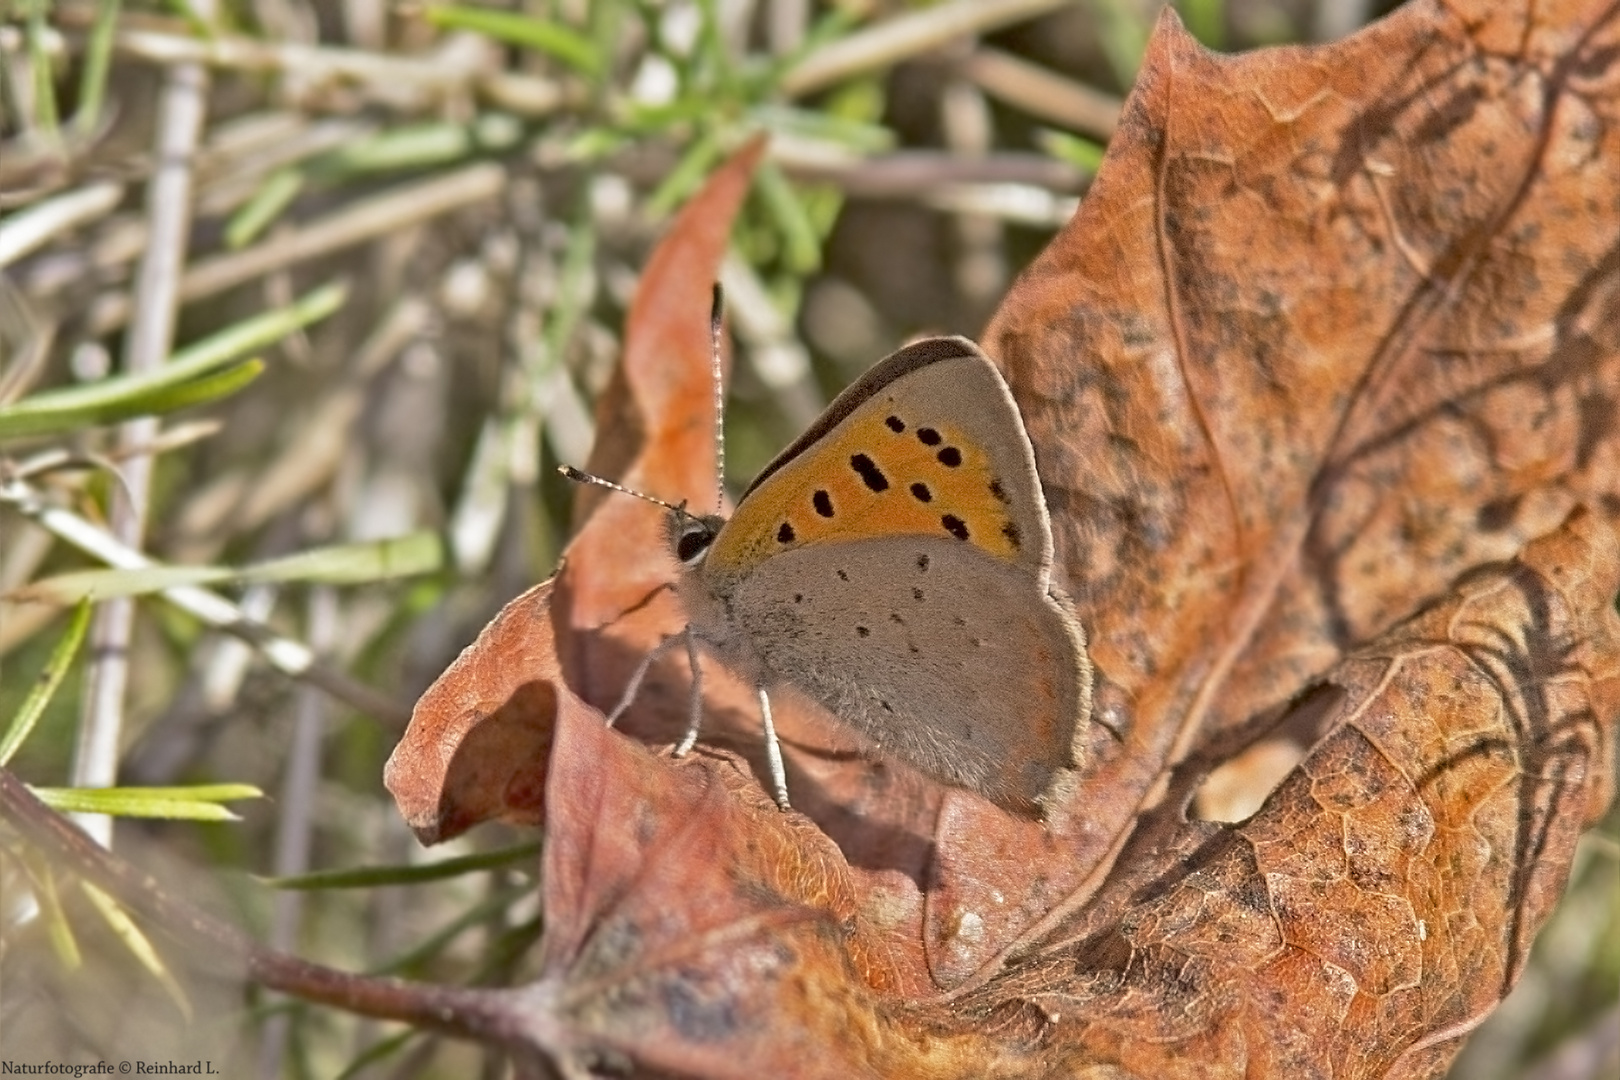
{"x":181,"y":114}
{"x":1043,"y":93}
{"x":378,"y":215}
{"x":887,"y":43}
{"x":290,"y":657}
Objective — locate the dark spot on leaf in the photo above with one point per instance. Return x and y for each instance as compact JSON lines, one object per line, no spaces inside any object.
{"x":699,"y":1018}
{"x":1497,"y":514}
{"x":823,"y":503}
{"x":955,"y":526}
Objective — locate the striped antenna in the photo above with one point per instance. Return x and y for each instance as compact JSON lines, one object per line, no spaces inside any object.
{"x":716,"y":315}
{"x":580,"y":476}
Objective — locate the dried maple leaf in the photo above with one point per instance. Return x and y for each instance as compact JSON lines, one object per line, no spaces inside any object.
{"x":1323,"y":381}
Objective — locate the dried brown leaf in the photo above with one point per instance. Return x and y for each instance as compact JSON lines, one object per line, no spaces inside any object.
{"x":1323,"y":381}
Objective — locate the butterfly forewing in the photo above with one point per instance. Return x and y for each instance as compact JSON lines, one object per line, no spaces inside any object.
{"x":928,"y":443}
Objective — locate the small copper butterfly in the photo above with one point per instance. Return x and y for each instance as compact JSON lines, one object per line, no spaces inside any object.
{"x":894,"y":564}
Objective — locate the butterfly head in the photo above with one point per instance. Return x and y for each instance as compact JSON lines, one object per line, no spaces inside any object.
{"x":690,"y":536}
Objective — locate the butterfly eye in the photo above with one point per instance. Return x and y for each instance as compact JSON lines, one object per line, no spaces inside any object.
{"x":695,"y":537}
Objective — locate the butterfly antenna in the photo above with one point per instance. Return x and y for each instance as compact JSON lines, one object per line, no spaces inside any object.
{"x":579,"y":476}
{"x":716,"y":316}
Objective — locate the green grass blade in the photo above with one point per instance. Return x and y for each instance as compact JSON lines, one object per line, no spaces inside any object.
{"x":860,"y":136}
{"x":39,"y":60}
{"x":366,"y":877}
{"x":277,"y":192}
{"x":354,"y":564}
{"x":45,"y":412}
{"x":337,"y":564}
{"x":1084,"y":154}
{"x":1206,"y":21}
{"x":1124,"y":33}
{"x":56,"y":669}
{"x":138,"y":944}
{"x":41,"y":881}
{"x":378,"y":1051}
{"x":801,"y":245}
{"x":48,"y":414}
{"x":97,"y":57}
{"x":685,"y":177}
{"x":198,"y":803}
{"x":553,"y":39}
{"x":419,"y":146}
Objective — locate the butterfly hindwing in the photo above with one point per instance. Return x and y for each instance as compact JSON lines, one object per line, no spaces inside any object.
{"x":892,"y":637}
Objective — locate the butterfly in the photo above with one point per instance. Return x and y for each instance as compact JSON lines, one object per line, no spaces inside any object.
{"x":894,"y":564}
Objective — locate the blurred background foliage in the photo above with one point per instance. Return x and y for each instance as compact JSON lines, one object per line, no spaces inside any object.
{"x":362,"y":267}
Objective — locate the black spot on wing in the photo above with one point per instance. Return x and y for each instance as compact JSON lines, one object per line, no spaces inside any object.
{"x":823,"y":503}
{"x":870,"y":474}
{"x":950,"y":457}
{"x":929,"y":437}
{"x":1014,"y":537}
{"x":920,"y":492}
{"x":894,"y":423}
{"x":955,"y":526}
{"x":785,"y":534}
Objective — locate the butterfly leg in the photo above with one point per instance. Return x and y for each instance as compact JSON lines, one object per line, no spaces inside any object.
{"x":634,"y":685}
{"x":695,"y":715}
{"x":773,"y":752}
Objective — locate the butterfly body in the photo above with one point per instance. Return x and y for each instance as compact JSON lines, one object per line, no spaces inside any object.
{"x":894,"y":565}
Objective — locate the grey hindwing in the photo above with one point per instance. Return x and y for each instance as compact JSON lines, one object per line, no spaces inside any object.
{"x":943,"y":655}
